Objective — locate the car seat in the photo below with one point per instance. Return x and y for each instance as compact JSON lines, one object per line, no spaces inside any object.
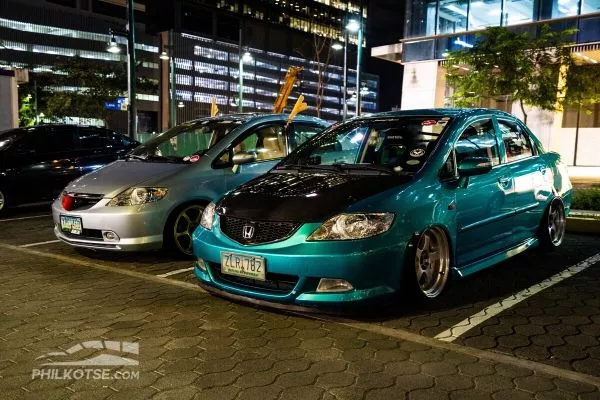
{"x":269,"y":145}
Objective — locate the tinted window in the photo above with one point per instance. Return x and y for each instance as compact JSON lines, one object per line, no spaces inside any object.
{"x":48,"y":139}
{"x":92,"y":138}
{"x":516,"y":142}
{"x":478,"y":140}
{"x":303,"y":132}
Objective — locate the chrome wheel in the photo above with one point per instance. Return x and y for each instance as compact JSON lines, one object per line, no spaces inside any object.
{"x":185,"y":223}
{"x":2,"y":200}
{"x":432,"y":262}
{"x":556,"y":223}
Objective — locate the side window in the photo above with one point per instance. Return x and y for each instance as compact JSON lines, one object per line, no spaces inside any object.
{"x":478,"y":140}
{"x":92,"y":138}
{"x":267,"y":142}
{"x":516,"y":142}
{"x":301,"y":133}
{"x":48,"y":139}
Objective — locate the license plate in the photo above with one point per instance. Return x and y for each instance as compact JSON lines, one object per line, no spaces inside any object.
{"x":252,"y":267}
{"x":72,"y":225}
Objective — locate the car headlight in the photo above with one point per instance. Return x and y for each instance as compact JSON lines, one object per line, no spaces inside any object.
{"x":138,"y":195}
{"x":208,"y":216}
{"x":353,"y":226}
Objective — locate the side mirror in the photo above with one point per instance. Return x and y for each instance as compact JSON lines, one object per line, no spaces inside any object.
{"x":244,"y":158}
{"x":474,"y":166}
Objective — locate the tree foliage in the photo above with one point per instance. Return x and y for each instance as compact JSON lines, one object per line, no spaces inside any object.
{"x":534,"y":70}
{"x":79,"y":87}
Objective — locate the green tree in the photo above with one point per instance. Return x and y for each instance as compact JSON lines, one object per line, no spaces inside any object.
{"x":79,"y":87}
{"x":534,"y":70}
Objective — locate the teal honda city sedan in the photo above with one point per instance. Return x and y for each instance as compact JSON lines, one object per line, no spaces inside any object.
{"x":390,"y":203}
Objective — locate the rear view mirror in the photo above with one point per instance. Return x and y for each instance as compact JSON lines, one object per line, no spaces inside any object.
{"x":244,"y":158}
{"x":474,"y":166}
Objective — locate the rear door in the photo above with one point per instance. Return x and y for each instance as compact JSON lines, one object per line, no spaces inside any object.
{"x":484,"y":212}
{"x":530,"y":175}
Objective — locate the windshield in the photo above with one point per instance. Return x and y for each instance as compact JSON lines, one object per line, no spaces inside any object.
{"x":185,"y":142}
{"x":392,"y":145}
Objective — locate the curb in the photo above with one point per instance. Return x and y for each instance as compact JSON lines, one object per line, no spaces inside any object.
{"x":581,"y":224}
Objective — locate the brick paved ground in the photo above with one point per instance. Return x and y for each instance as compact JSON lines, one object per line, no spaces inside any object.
{"x":193,"y":345}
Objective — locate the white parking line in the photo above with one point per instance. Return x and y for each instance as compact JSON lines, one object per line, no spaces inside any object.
{"x":39,"y":243}
{"x":22,"y":218}
{"x":177,"y":271}
{"x":449,"y":335}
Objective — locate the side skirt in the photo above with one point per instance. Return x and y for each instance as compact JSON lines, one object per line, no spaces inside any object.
{"x":477,"y":266}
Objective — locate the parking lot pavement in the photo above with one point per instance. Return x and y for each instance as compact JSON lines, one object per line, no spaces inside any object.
{"x":195,"y":345}
{"x":192,"y":345}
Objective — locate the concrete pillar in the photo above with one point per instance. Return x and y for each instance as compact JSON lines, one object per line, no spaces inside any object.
{"x":9,"y":100}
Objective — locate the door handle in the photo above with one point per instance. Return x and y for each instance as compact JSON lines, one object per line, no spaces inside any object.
{"x":504,"y":181}
{"x":542,"y":169}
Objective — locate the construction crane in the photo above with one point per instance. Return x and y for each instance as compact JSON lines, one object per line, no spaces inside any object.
{"x":286,"y":88}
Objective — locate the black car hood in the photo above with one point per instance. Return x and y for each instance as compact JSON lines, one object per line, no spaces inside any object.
{"x":302,"y":197}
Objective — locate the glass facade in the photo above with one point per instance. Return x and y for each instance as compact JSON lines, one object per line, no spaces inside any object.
{"x":439,"y":26}
{"x":207,"y":68}
{"x":437,"y":17}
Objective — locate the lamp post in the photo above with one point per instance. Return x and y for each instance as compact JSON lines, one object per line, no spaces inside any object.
{"x":246,"y":57}
{"x":339,"y":46}
{"x":355,"y":26}
{"x":169,"y":56}
{"x":114,"y":48}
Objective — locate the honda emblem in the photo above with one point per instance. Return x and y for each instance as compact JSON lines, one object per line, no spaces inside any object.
{"x":248,"y":232}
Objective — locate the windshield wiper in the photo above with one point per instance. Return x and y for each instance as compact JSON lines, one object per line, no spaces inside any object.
{"x":302,"y":167}
{"x":367,"y":167}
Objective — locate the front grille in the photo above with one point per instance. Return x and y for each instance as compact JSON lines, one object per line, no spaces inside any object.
{"x":90,"y":234}
{"x":263,"y":231}
{"x":85,"y":200}
{"x":274,"y":283}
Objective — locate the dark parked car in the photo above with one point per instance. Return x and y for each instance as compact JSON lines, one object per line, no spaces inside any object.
{"x":36,"y":163}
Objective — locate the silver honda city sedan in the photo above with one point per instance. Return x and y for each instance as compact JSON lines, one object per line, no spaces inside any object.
{"x":155,"y":196}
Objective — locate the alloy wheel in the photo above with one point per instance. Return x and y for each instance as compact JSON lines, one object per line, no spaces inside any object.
{"x":186,"y":222}
{"x":556,"y":223}
{"x":432,"y":262}
{"x":2,"y":200}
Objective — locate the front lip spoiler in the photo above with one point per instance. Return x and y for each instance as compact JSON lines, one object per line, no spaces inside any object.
{"x":341,"y":309}
{"x":257,"y":302}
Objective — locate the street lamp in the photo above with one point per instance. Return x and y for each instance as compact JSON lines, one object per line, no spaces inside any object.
{"x":169,"y":56}
{"x":246,"y":57}
{"x":113,"y":47}
{"x":356,"y":26}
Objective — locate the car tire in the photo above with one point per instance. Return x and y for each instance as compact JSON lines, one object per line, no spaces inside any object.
{"x":3,"y":201}
{"x":553,"y":226}
{"x":177,"y":236}
{"x":428,"y":264}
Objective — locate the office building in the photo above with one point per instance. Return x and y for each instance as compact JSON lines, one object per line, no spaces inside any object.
{"x":203,"y":39}
{"x":433,"y":27}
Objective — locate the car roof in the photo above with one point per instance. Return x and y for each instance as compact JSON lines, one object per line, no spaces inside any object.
{"x":437,"y":112}
{"x":260,"y":117}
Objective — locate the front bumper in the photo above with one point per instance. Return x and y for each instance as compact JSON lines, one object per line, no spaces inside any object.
{"x":373,"y":266}
{"x":137,"y":228}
